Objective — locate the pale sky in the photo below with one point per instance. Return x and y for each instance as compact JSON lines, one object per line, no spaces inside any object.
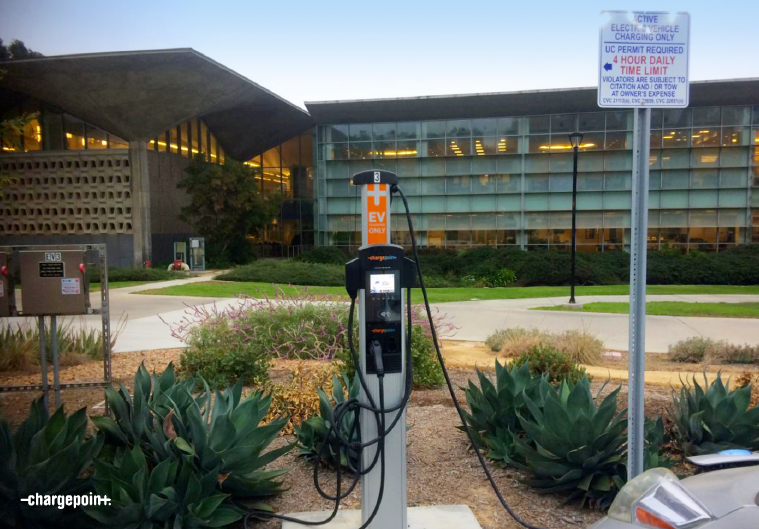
{"x":326,"y":50}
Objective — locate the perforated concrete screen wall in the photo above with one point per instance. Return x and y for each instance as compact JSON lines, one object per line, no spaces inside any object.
{"x":52,"y":283}
{"x":67,"y":193}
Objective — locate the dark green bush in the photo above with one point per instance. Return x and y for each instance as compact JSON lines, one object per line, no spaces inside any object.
{"x":288,"y":273}
{"x":556,"y":365}
{"x":324,"y":255}
{"x":735,"y":266}
{"x":501,"y":277}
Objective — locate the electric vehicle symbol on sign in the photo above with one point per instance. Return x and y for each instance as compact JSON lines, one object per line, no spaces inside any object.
{"x":722,"y":499}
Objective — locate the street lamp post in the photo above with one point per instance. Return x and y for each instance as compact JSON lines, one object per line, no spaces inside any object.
{"x":575,"y":139}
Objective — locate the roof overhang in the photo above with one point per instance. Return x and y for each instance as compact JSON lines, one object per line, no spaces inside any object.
{"x":702,"y":93}
{"x":138,"y":95}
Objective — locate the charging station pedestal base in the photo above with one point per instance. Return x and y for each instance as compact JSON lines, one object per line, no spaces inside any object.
{"x":428,"y":517}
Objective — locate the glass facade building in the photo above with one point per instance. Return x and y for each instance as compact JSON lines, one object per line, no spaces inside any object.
{"x":507,"y":180}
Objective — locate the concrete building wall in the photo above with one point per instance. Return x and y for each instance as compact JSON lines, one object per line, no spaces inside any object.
{"x":165,"y":170}
{"x":69,"y":197}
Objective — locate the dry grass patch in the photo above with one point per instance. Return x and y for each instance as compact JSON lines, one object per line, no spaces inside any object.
{"x":580,"y":345}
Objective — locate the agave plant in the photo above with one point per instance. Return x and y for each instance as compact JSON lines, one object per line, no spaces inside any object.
{"x":575,"y":444}
{"x":655,"y":438}
{"x":492,"y":415}
{"x":312,"y":433}
{"x":716,"y":419}
{"x":172,"y":494}
{"x":47,"y":457}
{"x":224,"y":432}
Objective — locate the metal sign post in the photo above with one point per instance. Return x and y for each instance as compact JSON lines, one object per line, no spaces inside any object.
{"x":638,"y":258}
{"x":643,"y":64}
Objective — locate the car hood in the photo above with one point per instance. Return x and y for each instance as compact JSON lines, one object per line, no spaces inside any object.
{"x":724,"y":491}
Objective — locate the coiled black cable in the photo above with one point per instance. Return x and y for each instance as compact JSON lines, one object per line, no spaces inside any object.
{"x":495,"y":488}
{"x":353,"y":405}
{"x":336,"y":418}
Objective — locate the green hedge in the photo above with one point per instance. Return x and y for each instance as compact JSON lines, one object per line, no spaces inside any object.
{"x":324,"y":255}
{"x":447,"y":268}
{"x":288,"y":272}
{"x":736,"y":266}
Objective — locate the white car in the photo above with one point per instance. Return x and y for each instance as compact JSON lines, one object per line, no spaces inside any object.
{"x":721,"y":499}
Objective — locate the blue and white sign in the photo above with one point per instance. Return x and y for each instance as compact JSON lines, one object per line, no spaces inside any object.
{"x":643,"y":59}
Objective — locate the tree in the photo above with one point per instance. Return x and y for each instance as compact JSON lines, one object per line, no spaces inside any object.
{"x":16,"y":50}
{"x":226,"y":205}
{"x":11,"y":129}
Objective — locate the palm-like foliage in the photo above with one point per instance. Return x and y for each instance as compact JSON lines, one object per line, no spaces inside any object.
{"x":578,"y":445}
{"x":707,"y":421}
{"x":312,"y":433}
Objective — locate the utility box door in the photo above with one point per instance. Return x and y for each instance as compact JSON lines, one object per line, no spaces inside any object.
{"x":6,"y":296}
{"x":52,"y":283}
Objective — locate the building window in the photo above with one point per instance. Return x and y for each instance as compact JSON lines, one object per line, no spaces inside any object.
{"x":74,"y":133}
{"x":32,"y":136}
{"x":96,"y":138}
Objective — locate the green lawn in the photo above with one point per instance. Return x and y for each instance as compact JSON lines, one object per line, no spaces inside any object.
{"x":224,"y":289}
{"x":673,"y":308}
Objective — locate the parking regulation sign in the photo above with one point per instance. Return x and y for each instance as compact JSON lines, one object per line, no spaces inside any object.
{"x":643,"y":59}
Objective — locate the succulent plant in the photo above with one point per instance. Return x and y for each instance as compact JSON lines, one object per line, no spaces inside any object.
{"x":312,"y":433}
{"x":171,"y":494}
{"x":575,"y":444}
{"x":47,"y":457}
{"x":655,"y":438}
{"x":168,"y":422}
{"x":715,"y":419}
{"x":492,"y":413}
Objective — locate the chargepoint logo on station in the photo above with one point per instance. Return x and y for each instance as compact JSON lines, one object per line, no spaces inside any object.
{"x":376,"y":213}
{"x":382,"y":257}
{"x":643,"y":59}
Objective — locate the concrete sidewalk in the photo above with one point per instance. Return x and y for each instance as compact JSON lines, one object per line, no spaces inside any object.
{"x":477,"y":319}
{"x":148,"y":316}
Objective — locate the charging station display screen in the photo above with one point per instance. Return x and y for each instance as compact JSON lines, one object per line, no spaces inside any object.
{"x":382,"y":283}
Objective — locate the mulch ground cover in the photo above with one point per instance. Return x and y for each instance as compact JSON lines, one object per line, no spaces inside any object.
{"x":442,"y":469}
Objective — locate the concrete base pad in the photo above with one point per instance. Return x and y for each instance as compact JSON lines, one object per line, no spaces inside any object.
{"x":575,"y":306}
{"x":427,"y":517}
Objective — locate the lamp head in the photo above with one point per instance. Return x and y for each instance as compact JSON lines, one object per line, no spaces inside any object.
{"x":575,"y":139}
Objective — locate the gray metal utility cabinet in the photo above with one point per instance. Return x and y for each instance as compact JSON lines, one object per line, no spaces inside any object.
{"x":54,"y":282}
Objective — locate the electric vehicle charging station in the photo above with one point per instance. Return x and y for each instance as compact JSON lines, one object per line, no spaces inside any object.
{"x":379,"y":274}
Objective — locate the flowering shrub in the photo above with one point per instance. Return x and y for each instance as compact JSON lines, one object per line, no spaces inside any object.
{"x":240,"y":339}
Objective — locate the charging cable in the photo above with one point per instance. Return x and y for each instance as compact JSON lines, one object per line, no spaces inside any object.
{"x":497,"y":491}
